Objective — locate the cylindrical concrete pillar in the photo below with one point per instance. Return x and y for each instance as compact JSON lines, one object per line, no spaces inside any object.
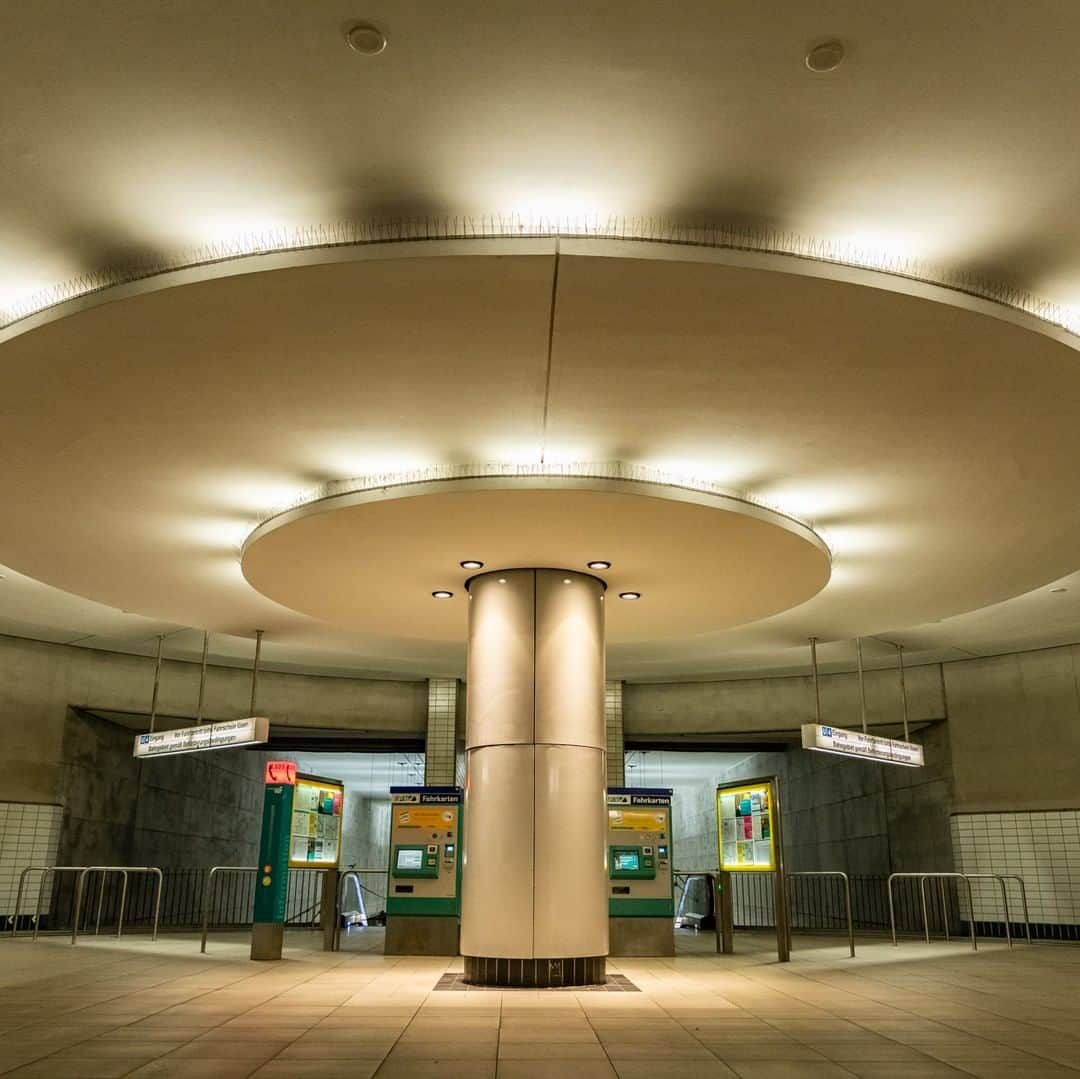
{"x":534,"y":887}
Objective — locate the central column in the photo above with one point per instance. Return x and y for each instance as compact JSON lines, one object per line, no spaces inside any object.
{"x":534,"y":887}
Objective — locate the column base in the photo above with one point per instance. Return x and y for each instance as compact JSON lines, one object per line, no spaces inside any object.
{"x":267,"y":939}
{"x":535,"y":973}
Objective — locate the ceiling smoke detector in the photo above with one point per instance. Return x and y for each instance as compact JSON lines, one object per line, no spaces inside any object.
{"x":365,"y":38}
{"x":827,"y":56}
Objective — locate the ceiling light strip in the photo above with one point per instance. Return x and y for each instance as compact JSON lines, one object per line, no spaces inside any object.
{"x":521,"y":226}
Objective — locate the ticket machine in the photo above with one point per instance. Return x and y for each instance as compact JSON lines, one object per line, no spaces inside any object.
{"x":641,"y":907}
{"x":423,"y":895}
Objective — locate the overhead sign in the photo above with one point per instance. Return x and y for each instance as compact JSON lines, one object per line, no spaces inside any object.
{"x":233,"y":732}
{"x":869,"y":747}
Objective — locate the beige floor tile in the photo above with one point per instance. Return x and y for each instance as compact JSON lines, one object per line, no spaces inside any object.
{"x":442,"y":1069}
{"x":191,"y":1068}
{"x":317,"y":1069}
{"x":550,"y":1050}
{"x":55,"y":1067}
{"x":672,"y":1069}
{"x":538,"y":1069}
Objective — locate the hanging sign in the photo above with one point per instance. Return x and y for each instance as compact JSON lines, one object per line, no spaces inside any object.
{"x":869,"y":747}
{"x":233,"y":732}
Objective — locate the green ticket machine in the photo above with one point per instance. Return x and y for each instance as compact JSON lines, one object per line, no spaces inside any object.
{"x":641,"y":904}
{"x":423,"y":895}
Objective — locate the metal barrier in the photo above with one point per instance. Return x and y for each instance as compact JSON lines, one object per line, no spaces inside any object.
{"x":354,"y":875}
{"x":211,"y":873}
{"x":83,"y":872}
{"x":967,"y":878}
{"x":124,"y":870}
{"x":922,"y":878}
{"x":44,"y":870}
{"x":847,"y":899}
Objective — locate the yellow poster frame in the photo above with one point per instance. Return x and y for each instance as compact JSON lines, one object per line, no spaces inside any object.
{"x":319,"y":783}
{"x":767,"y":786}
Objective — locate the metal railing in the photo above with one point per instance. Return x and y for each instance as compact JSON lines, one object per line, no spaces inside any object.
{"x":847,"y":897}
{"x":84,"y":872}
{"x":967,"y":878}
{"x":339,"y":910}
{"x":208,"y":890}
{"x":123,"y":870}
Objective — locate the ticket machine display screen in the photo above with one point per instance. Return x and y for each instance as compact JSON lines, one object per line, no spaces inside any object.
{"x":627,"y":860}
{"x":410,"y":859}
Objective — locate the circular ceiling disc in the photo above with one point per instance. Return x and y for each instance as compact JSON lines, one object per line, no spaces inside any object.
{"x":370,"y":561}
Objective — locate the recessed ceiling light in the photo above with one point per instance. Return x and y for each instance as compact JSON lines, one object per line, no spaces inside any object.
{"x":598,"y":564}
{"x":1059,"y":590}
{"x":827,"y":56}
{"x":443,"y":594}
{"x":471,"y":563}
{"x":629,"y":595}
{"x":502,"y":580}
{"x":566,"y":580}
{"x":365,"y":38}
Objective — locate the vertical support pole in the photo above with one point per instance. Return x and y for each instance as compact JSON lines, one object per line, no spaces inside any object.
{"x":255,"y":672}
{"x":817,"y":684}
{"x":862,"y":685}
{"x":329,"y":917}
{"x":157,"y":682}
{"x":202,"y":676}
{"x":944,"y":907}
{"x":272,"y":875}
{"x":922,"y":903}
{"x":780,"y":896}
{"x":725,"y":914}
{"x":903,"y":689}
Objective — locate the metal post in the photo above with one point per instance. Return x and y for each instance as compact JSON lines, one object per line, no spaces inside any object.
{"x":971,"y":914}
{"x":157,"y":682}
{"x":202,"y":676}
{"x":817,"y":686}
{"x":780,"y":899}
{"x":78,"y":904}
{"x":255,"y":671}
{"x":37,"y":908}
{"x":1005,"y":908}
{"x":157,"y":902}
{"x":862,"y":687}
{"x":903,"y":690}
{"x":18,"y":900}
{"x":725,"y":913}
{"x":847,"y":910}
{"x":922,"y":903}
{"x":100,"y":902}
{"x":123,"y":902}
{"x":892,"y":910}
{"x":944,"y":907}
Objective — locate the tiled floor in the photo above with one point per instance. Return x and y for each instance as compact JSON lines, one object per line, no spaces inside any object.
{"x":162,"y":1011}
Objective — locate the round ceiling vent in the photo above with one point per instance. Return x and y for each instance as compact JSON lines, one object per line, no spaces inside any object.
{"x":825,"y":57}
{"x":365,"y":38}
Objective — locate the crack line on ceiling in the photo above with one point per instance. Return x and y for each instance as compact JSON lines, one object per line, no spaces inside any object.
{"x":550,"y":350}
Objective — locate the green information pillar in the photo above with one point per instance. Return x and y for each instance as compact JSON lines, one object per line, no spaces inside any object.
{"x":272,"y":878}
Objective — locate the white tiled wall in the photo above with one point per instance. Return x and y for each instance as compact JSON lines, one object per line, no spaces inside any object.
{"x":29,"y":835}
{"x":439,"y":764}
{"x":1043,"y":848}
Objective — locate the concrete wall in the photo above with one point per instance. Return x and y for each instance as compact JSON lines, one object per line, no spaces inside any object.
{"x":192,"y":811}
{"x":763,"y":705}
{"x":1014,"y":724}
{"x":855,"y":816}
{"x":40,"y":681}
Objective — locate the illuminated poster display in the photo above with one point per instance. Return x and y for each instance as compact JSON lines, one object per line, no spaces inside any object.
{"x":747,"y":831}
{"x":315,"y":836}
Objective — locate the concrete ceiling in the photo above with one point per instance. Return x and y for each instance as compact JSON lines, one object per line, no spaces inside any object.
{"x":929,"y":442}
